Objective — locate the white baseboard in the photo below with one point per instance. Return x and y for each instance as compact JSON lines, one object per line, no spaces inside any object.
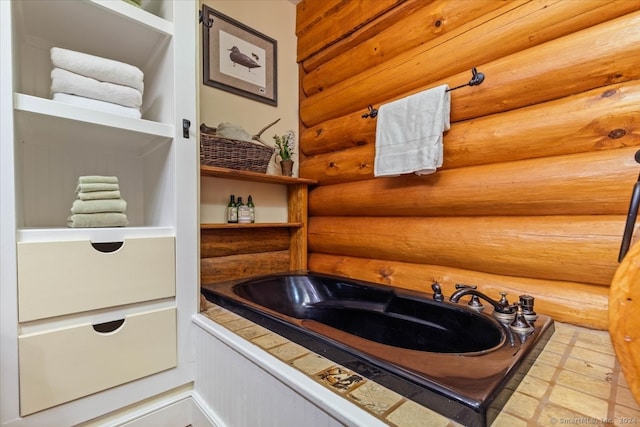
{"x":202,"y":415}
{"x":175,"y":410}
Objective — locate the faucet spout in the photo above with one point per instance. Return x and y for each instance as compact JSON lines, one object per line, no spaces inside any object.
{"x":497,"y":306}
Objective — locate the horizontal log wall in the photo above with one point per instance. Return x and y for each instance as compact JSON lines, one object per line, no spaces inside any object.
{"x":229,"y":254}
{"x":558,"y":299}
{"x":538,"y":164}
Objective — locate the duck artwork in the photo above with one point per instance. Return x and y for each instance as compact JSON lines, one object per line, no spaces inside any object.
{"x":238,"y":57}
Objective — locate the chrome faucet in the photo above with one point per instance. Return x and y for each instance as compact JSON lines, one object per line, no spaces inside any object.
{"x":437,"y":292}
{"x":501,"y":306}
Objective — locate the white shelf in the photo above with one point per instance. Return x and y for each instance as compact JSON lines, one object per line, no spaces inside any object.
{"x":55,"y":143}
{"x":95,"y":235}
{"x":139,"y":15}
{"x":48,"y":113}
{"x":59,"y":143}
{"x":130,"y":34}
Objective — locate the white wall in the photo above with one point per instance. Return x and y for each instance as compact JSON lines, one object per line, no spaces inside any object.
{"x":276,"y":19}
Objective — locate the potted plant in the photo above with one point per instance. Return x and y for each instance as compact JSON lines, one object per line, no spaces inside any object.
{"x":284,"y":149}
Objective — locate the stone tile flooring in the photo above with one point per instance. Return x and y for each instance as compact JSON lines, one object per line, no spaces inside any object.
{"x":576,"y":380}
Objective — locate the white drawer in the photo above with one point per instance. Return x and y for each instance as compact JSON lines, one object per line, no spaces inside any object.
{"x":58,"y":278}
{"x":64,"y":364}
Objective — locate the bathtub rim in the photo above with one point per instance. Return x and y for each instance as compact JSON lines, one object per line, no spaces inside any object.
{"x":467,"y":411}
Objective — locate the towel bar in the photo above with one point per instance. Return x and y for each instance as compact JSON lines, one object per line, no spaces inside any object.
{"x":476,"y":80}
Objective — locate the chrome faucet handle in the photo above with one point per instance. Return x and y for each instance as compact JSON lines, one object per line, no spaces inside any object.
{"x":526,"y":301}
{"x":437,"y":292}
{"x":503,"y":299}
{"x":462,"y":286}
{"x":475,"y":303}
{"x":520,"y":323}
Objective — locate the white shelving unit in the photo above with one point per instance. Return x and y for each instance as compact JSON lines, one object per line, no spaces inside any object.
{"x":44,"y":147}
{"x":59,"y":142}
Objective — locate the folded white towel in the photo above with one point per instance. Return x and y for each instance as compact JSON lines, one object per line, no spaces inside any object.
{"x":108,"y":219}
{"x":88,"y":179}
{"x":96,"y":67}
{"x":97,"y":206}
{"x":97,"y":105}
{"x":409,"y":133}
{"x":67,"y":82}
{"x":98,"y":195}
{"x":87,"y":187}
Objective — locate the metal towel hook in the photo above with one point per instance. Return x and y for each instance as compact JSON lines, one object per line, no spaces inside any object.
{"x":476,"y":80}
{"x":208,"y":23}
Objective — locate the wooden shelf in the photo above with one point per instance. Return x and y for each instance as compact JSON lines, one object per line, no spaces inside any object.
{"x":295,"y":227}
{"x":216,"y":226}
{"x":217,"y":172}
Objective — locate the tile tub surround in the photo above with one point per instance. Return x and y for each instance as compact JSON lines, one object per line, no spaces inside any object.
{"x":575,"y":380}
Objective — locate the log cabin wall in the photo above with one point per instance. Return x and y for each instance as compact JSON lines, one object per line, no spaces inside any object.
{"x":237,"y":253}
{"x":538,"y":164}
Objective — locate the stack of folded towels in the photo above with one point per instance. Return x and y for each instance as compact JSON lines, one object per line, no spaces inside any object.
{"x":96,"y":83}
{"x":98,"y":203}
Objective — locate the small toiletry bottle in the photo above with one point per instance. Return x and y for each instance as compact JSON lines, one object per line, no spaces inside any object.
{"x":252,"y":209}
{"x":232,"y":210}
{"x":244,"y":216}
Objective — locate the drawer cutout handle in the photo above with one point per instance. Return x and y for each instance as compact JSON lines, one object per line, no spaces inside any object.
{"x":107,"y":247}
{"x":108,"y":327}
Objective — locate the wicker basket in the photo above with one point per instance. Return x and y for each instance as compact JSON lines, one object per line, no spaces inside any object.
{"x":234,"y":153}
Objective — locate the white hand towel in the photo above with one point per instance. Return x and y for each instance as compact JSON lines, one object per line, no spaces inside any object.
{"x":101,"y":69}
{"x":97,"y":206}
{"x":98,"y":195}
{"x":104,"y":219}
{"x":88,"y":179}
{"x":409,"y":133}
{"x":87,"y":187}
{"x":97,"y":105}
{"x":67,"y":82}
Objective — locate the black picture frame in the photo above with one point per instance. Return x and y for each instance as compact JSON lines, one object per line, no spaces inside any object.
{"x":238,"y":59}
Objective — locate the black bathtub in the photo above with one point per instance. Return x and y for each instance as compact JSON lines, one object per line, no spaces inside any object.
{"x":458,"y":362}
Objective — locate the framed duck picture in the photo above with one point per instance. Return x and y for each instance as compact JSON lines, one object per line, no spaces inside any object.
{"x":238,"y":59}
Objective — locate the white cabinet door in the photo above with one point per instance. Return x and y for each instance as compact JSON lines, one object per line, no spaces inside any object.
{"x":59,"y":278}
{"x":61,"y":365}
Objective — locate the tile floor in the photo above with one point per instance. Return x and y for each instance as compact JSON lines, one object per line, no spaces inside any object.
{"x":576,"y":380}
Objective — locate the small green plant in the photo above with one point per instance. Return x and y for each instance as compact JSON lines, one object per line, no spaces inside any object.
{"x":285,"y":144}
